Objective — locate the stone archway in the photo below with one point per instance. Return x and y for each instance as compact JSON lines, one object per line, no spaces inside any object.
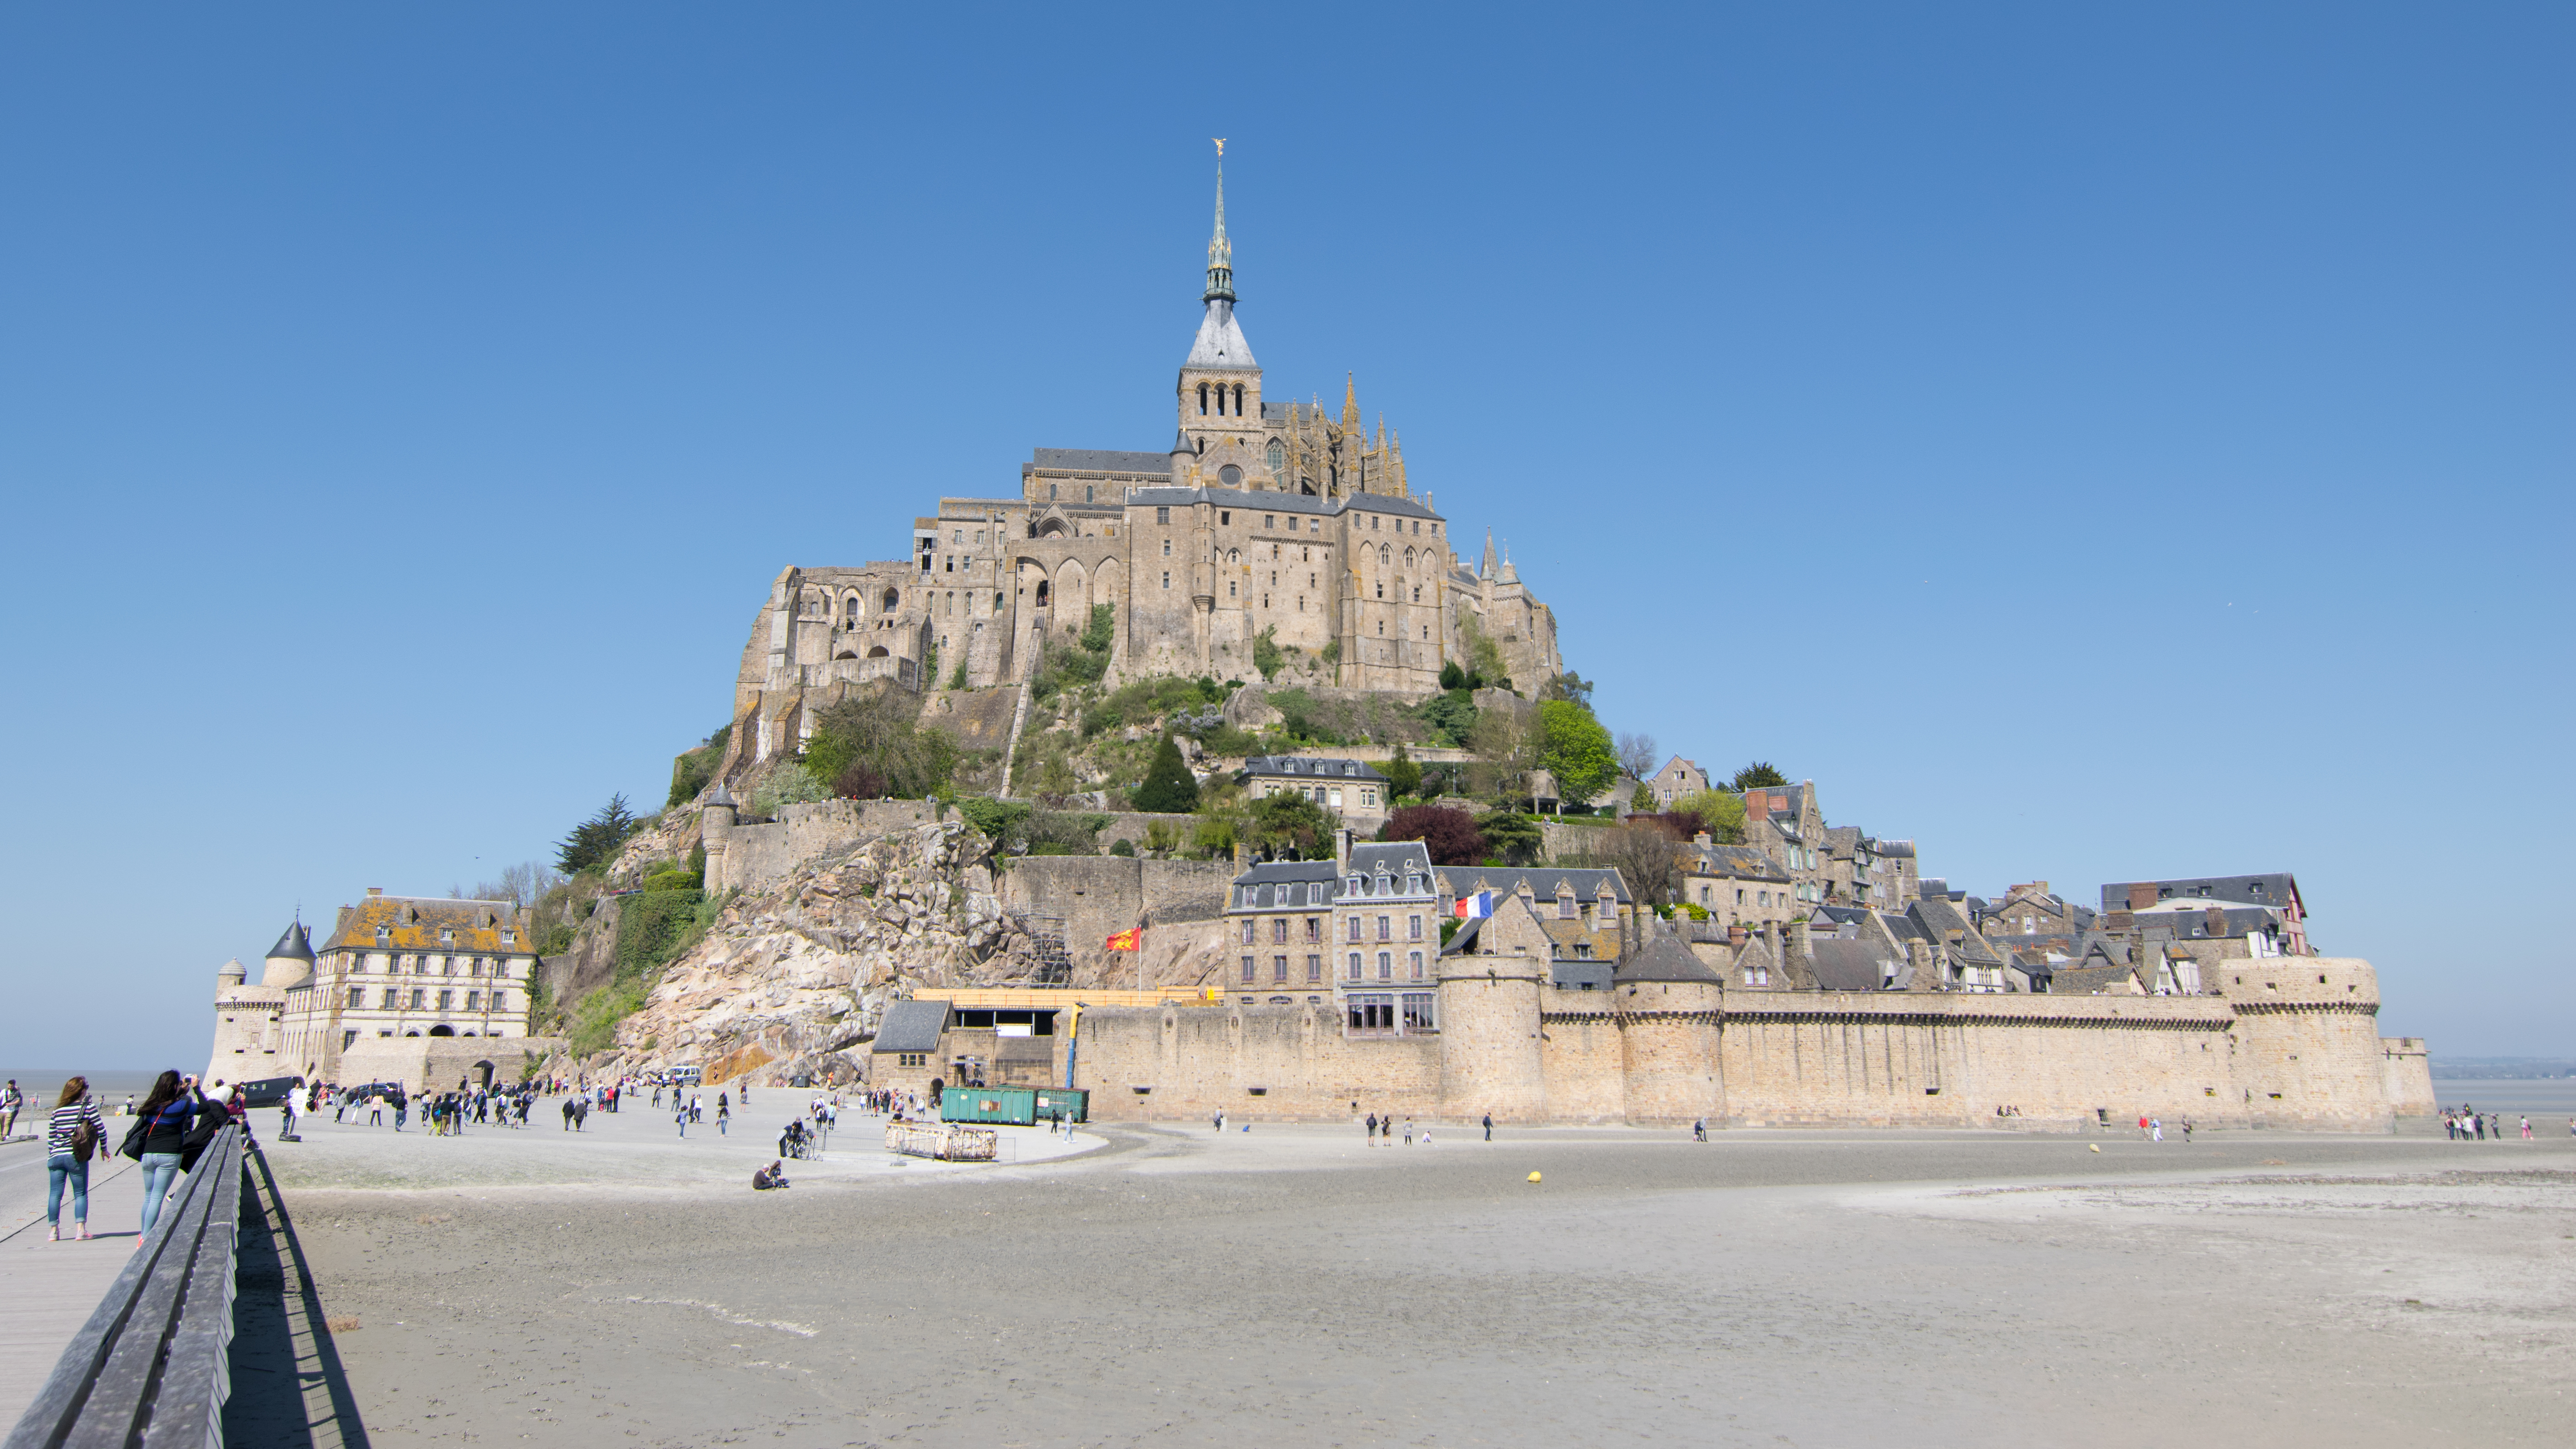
{"x":483,"y":1071}
{"x":1073,"y":594}
{"x":442,"y":1029}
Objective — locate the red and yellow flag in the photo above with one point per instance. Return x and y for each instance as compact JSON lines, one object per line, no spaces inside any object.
{"x":1128,"y":940}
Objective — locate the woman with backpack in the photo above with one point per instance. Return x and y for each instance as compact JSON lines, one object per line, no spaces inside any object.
{"x":71,"y":1136}
{"x":160,"y":1136}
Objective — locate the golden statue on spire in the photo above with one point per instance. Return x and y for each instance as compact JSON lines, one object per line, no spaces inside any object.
{"x":1220,"y":146}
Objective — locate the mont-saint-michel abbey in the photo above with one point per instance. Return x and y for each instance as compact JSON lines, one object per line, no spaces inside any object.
{"x":1262,"y":515}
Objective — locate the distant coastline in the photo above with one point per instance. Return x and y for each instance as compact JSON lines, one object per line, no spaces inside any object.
{"x":2505,"y":1069}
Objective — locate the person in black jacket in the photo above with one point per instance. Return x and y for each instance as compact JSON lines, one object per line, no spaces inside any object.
{"x":167,"y":1113}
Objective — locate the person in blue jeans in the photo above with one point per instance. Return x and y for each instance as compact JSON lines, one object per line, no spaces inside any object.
{"x":71,"y":1135}
{"x":168,"y":1112}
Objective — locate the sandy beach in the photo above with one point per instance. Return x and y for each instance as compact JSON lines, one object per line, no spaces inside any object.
{"x":1291,"y":1286}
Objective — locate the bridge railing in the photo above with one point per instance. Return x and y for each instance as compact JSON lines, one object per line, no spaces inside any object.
{"x":149,"y":1368}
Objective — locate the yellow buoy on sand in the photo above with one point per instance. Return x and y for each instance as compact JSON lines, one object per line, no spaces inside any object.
{"x":1533,"y":1177}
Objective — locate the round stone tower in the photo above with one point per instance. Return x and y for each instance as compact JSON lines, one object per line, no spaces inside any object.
{"x":1669,"y":1005}
{"x":715,"y":831}
{"x":1489,"y":1042}
{"x":290,"y":961}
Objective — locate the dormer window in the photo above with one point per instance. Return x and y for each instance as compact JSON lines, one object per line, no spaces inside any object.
{"x":446,"y":934}
{"x":384,"y":934}
{"x":509,"y":938}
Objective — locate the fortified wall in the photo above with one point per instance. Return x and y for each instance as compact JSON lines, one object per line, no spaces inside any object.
{"x":2292,"y":1044}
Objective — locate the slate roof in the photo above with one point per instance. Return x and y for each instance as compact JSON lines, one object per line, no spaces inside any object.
{"x":1309,"y":769}
{"x":1279,"y":500}
{"x":2090,"y":980}
{"x":1665,"y":958}
{"x":413,"y":923}
{"x":1581,"y":975}
{"x":296,"y":944}
{"x":1734,"y":862}
{"x":1397,"y":856}
{"x":1849,"y":965}
{"x":1220,"y":342}
{"x":1100,"y":460}
{"x":1461,"y":880}
{"x":2276,"y":889}
{"x":1280,"y":872}
{"x":912,"y":1026}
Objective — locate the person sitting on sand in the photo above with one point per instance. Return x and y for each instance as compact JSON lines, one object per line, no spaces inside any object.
{"x":774,"y":1175}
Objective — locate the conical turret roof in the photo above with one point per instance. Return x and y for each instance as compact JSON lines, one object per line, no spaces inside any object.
{"x":1665,"y":958}
{"x":296,"y":944}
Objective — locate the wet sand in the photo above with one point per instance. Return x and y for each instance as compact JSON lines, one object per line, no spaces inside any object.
{"x":1289,"y":1286}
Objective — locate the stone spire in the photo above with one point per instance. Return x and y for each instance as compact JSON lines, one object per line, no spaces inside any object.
{"x":1220,"y":342}
{"x":1487,"y":571}
{"x":1350,"y":402}
{"x":1510,"y":574}
{"x":1220,"y":279}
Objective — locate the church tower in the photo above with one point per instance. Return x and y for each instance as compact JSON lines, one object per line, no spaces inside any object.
{"x":1220,"y":385}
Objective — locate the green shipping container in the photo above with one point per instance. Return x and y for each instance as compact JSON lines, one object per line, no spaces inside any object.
{"x":1014,"y":1105}
{"x":1072,"y":1104}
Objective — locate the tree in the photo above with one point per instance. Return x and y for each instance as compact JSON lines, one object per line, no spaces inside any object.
{"x":1636,"y":754}
{"x":1516,"y":838}
{"x":1450,"y":835}
{"x":1169,"y":788}
{"x":1285,"y":822}
{"x":594,"y":842}
{"x":1575,"y":749}
{"x":1571,"y":687}
{"x":1642,"y":852}
{"x":871,"y":745}
{"x":1756,"y":775}
{"x":1506,"y":749}
{"x":1718,"y":813}
{"x":1403,"y":776}
{"x":1644,"y":799}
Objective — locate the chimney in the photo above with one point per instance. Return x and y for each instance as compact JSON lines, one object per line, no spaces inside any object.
{"x":1342,"y":851}
{"x":2142,"y":895}
{"x":1735,"y":934}
{"x":2217,"y":919}
{"x":373,"y":891}
{"x":1242,"y":856}
{"x":2121,"y":921}
{"x":1702,"y":841}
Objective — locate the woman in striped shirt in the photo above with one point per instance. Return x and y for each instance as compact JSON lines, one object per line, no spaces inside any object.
{"x":70,"y":1137}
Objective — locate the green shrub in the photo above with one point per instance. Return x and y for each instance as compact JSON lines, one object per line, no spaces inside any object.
{"x":1266,"y":655}
{"x":789,"y":784}
{"x":958,"y":679}
{"x":594,"y":1021}
{"x":1122,"y":846}
{"x":1403,"y":776}
{"x":1331,"y":654}
{"x":998,"y":819}
{"x":1451,"y":716}
{"x":1169,"y":786}
{"x":1158,"y":835}
{"x":872,"y":744}
{"x":672,"y":880}
{"x":691,"y":772}
{"x":655,"y":927}
{"x":1228,"y":740}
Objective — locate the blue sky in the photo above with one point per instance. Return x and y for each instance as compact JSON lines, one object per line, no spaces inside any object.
{"x":2097,"y":445}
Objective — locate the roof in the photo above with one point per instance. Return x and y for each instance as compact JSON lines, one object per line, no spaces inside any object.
{"x":1464,"y":942}
{"x":1395,"y":857}
{"x":2094,"y":981}
{"x":912,"y":1026}
{"x":1100,"y":460}
{"x":1735,"y":862}
{"x":1275,"y":499}
{"x":297,"y":943}
{"x":1665,"y":958}
{"x":1841,"y":965}
{"x":2274,"y":889}
{"x":1220,"y":342}
{"x":1309,"y":769}
{"x":1543,"y":880}
{"x":1571,"y":975}
{"x":413,"y":923}
{"x":1280,"y":872}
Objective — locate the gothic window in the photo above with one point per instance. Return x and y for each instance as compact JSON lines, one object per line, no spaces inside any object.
{"x":1050,"y":493}
{"x":1234,"y":555}
{"x":997,"y":603}
{"x":1230,"y":475}
{"x":1042,"y":593}
{"x":1277,"y":455}
{"x":1203,"y":413}
{"x":1238,"y":399}
{"x":1385,"y":556}
{"x":892,"y":598}
{"x":1408,"y":558}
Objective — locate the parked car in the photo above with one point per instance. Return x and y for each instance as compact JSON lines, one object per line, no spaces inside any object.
{"x":268,"y":1091}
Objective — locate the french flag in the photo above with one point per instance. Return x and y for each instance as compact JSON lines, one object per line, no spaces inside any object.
{"x":1476,"y":907}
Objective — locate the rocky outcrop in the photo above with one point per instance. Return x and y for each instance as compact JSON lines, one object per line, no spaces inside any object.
{"x":801,"y":970}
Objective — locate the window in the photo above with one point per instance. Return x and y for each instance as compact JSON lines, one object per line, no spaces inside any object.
{"x":1386,"y":928}
{"x":1355,"y":931}
{"x":1167,"y":548}
{"x":1413,"y":930}
{"x":1314,"y":929}
{"x":1355,"y":962}
{"x":1414,"y":961}
{"x":1167,"y":578}
{"x":357,"y":997}
{"x":416,"y":997}
{"x":1270,"y":520}
{"x":1278,"y":968}
{"x":1565,"y":907}
{"x":1163,"y":515}
{"x":1247,"y":924}
{"x":1386,"y":966}
{"x":1314,"y":969}
{"x":474,"y":1001}
{"x":1230,"y":475}
{"x":1279,"y":931}
{"x":1247,"y":971}
{"x":1418,"y":1018}
{"x":500,"y":1001}
{"x":446,"y":999}
{"x":1372,"y":1015}
{"x":1277,"y":456}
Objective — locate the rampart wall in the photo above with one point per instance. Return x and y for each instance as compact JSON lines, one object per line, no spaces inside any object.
{"x":2294,"y":1047}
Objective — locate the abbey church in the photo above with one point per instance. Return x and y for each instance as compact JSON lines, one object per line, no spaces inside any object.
{"x":1261,"y":517}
